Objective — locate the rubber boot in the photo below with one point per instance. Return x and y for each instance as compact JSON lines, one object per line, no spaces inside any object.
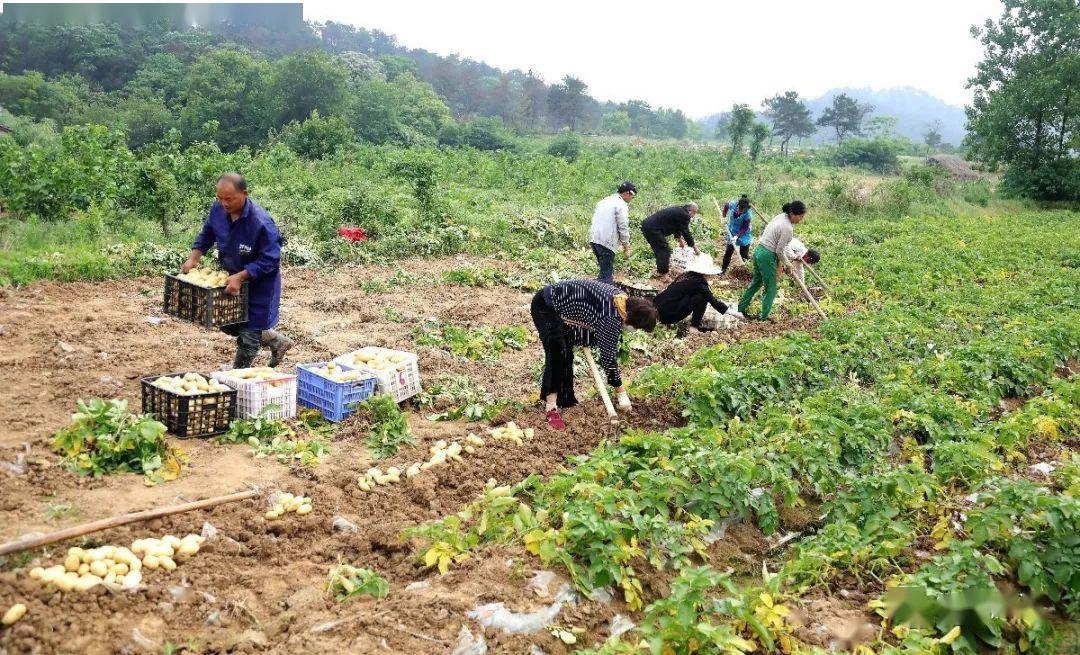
{"x":279,"y":344}
{"x":247,"y":347}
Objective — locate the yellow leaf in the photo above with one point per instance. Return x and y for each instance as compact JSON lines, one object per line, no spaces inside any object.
{"x":444,"y":564}
{"x":950,"y":636}
{"x":431,"y":556}
{"x":766,"y":599}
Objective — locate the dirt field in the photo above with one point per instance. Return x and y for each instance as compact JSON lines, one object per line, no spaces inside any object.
{"x":258,"y":586}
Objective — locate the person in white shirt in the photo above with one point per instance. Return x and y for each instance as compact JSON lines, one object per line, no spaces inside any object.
{"x":611,"y":229}
{"x":796,"y":254}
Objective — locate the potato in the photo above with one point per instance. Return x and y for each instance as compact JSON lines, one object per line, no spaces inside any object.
{"x":83,"y":569}
{"x":474,"y":440}
{"x":72,"y":563}
{"x":470,"y":450}
{"x":304,"y":509}
{"x":87,"y":582}
{"x":120,"y":569}
{"x":132,"y":580}
{"x":75,"y":551}
{"x":412,"y":471}
{"x":110,"y":578}
{"x":167,"y":563}
{"x":37,"y":573}
{"x":14,"y":613}
{"x":99,"y":568}
{"x":188,"y":548}
{"x":529,"y":433}
{"x":151,"y":562}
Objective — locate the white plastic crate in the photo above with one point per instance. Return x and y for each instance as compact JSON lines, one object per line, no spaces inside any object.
{"x":401,"y":383}
{"x":680,"y":257}
{"x":253,"y":395}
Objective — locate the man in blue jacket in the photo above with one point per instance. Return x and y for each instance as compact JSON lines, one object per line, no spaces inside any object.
{"x":249,"y":248}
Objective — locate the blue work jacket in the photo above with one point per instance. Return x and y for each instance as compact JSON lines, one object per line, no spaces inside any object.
{"x":251,"y":243}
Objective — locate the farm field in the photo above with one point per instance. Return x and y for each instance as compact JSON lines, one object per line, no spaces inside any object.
{"x":773,"y":482}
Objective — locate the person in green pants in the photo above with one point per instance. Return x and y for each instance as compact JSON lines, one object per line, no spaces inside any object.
{"x":774,"y":240}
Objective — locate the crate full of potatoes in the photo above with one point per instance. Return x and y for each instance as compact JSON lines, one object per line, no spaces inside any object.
{"x":199,"y":296}
{"x":260,"y":387}
{"x":189,"y":404}
{"x":333,"y":388}
{"x":398,"y":371}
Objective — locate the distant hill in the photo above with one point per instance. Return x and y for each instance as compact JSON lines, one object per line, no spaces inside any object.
{"x":912,"y":108}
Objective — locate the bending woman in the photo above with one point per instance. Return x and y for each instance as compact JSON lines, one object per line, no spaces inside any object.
{"x":587,"y":313}
{"x":774,"y":240}
{"x":690,"y":294}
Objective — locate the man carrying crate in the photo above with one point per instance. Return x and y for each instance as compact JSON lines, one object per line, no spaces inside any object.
{"x":249,"y":248}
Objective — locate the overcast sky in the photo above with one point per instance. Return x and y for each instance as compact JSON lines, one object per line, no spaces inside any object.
{"x":698,"y":56}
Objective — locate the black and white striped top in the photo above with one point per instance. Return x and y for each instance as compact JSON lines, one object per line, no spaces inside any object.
{"x":591,"y":303}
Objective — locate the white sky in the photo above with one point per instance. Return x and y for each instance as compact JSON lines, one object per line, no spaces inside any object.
{"x":697,"y":56}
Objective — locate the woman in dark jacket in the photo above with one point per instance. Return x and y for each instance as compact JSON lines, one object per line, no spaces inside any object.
{"x":690,"y":294}
{"x":587,"y":313}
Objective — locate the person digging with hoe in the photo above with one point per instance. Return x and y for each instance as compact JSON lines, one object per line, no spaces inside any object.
{"x":774,"y":241}
{"x":587,"y":313}
{"x":249,"y":248}
{"x":740,"y":218}
{"x":690,"y":294}
{"x":611,"y":229}
{"x":664,"y":223}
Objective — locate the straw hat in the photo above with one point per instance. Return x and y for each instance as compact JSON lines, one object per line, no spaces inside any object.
{"x":703,"y":264}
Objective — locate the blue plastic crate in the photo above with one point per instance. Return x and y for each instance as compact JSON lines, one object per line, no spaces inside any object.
{"x":332,"y":399}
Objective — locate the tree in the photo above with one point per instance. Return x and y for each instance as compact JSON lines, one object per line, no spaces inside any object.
{"x":534,"y":94}
{"x":231,"y":89}
{"x":883,"y":127}
{"x":32,"y":95}
{"x":790,"y":118}
{"x":317,"y":136}
{"x":567,"y":102}
{"x":846,"y":116}
{"x":738,"y":127}
{"x":162,"y":75}
{"x":615,"y":122}
{"x":306,"y":83}
{"x":1025,"y":115}
{"x":932,"y":136}
{"x":758,"y":134}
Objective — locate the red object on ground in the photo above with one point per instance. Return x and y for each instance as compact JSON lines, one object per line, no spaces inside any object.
{"x":555,"y":419}
{"x":352,"y":233}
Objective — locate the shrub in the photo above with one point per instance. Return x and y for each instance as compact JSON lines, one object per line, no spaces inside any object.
{"x":316,"y":137}
{"x":878,"y":155}
{"x":567,"y":145}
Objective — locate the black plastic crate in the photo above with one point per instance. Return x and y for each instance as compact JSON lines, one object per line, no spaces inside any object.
{"x":201,"y":415}
{"x":207,"y":307}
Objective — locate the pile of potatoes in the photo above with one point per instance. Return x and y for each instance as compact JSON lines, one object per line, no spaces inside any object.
{"x":204,"y":277}
{"x":511,"y":432}
{"x":191,"y":384}
{"x":378,"y":359}
{"x":443,"y":453}
{"x":286,"y":503}
{"x":332,"y":371}
{"x":116,"y":566}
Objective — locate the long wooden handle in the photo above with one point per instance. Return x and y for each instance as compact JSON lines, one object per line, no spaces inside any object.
{"x":601,"y":385}
{"x":115,"y":521}
{"x":816,"y":276}
{"x":802,"y":285}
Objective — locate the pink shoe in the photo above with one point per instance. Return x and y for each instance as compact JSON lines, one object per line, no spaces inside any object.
{"x":555,"y":420}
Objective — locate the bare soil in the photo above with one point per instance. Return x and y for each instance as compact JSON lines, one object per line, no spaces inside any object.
{"x":259,"y":586}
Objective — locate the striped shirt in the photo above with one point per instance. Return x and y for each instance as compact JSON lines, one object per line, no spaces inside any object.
{"x":591,"y":303}
{"x":777,"y":234}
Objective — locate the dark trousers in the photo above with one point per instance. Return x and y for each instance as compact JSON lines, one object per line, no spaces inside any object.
{"x":693,"y":306}
{"x":558,"y":376}
{"x":247,"y":344}
{"x":606,"y":259}
{"x":744,"y":251}
{"x":659,"y":244}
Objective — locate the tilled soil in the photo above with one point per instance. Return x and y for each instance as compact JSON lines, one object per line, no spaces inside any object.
{"x":259,"y":586}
